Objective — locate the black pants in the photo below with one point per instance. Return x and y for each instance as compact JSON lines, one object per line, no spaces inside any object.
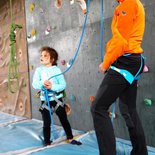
{"x":112,"y":87}
{"x":61,"y":113}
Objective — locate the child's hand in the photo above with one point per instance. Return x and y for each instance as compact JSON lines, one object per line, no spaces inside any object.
{"x":47,"y":84}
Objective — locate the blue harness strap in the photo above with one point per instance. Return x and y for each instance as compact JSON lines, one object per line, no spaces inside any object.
{"x":126,"y":74}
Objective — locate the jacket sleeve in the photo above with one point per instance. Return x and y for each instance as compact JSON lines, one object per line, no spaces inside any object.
{"x":122,"y":24}
{"x":36,"y":82}
{"x":61,"y":83}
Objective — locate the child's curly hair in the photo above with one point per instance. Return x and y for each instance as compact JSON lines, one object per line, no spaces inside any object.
{"x":53,"y":53}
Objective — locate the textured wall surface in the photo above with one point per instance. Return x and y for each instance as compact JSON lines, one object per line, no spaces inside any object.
{"x":17,"y":103}
{"x":84,"y":78}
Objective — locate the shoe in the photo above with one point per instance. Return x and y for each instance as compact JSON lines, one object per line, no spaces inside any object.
{"x":75,"y":142}
{"x":47,"y":143}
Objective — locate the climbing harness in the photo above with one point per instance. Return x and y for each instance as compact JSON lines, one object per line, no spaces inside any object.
{"x":126,"y":74}
{"x":53,"y":95}
{"x":13,"y":75}
{"x":59,"y":103}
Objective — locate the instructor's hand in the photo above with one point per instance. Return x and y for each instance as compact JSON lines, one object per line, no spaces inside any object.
{"x":102,"y":70}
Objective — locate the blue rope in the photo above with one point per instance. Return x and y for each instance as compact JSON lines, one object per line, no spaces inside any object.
{"x":79,"y":44}
{"x":142,"y":57}
{"x":101,"y":30}
{"x":76,"y":53}
{"x":51,"y":113}
{"x":101,"y":46}
{"x":113,"y":111}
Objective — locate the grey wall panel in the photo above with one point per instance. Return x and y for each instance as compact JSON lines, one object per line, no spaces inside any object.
{"x":84,"y":78}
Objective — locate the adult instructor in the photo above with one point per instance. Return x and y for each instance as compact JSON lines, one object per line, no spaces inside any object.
{"x":122,"y":65}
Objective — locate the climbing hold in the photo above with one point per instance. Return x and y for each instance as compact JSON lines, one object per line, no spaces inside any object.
{"x":20,"y":106}
{"x":83,"y":6}
{"x":33,"y":32}
{"x":20,"y":53}
{"x":31,"y":7}
{"x":110,"y":114}
{"x":41,"y":10}
{"x":148,"y":102}
{"x":31,"y":39}
{"x":72,"y":98}
{"x":29,"y":36}
{"x":54,"y":27}
{"x":58,"y":4}
{"x":48,"y":29}
{"x":24,"y":84}
{"x":91,"y":98}
{"x":67,"y":108}
{"x":145,"y":69}
{"x":70,"y":63}
{"x":71,"y":2}
{"x":15,"y":31}
{"x":63,"y":62}
{"x":46,"y":32}
{"x":31,"y":67}
{"x":37,"y":95}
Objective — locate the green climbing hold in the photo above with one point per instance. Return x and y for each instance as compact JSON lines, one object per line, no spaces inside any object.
{"x":148,"y":101}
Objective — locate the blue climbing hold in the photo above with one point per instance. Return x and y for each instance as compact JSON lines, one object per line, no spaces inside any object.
{"x":72,"y":98}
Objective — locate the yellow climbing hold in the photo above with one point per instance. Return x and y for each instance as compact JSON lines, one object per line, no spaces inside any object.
{"x":31,"y":67}
{"x":33,"y":32}
{"x":31,"y":7}
{"x":37,"y":95}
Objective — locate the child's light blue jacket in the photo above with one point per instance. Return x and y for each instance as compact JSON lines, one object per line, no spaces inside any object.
{"x":43,"y":73}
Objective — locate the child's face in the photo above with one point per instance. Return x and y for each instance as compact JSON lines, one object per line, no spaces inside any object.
{"x":45,"y":58}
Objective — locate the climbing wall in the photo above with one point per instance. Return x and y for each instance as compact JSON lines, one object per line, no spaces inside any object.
{"x":59,"y":25}
{"x":17,"y":103}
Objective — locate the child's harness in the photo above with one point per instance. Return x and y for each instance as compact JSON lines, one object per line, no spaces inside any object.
{"x":126,"y":74}
{"x":59,"y":103}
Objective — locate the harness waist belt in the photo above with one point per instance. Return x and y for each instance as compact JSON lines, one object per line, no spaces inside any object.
{"x":59,"y":103}
{"x":126,"y":74}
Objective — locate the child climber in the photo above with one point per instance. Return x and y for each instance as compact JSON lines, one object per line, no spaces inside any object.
{"x":57,"y":84}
